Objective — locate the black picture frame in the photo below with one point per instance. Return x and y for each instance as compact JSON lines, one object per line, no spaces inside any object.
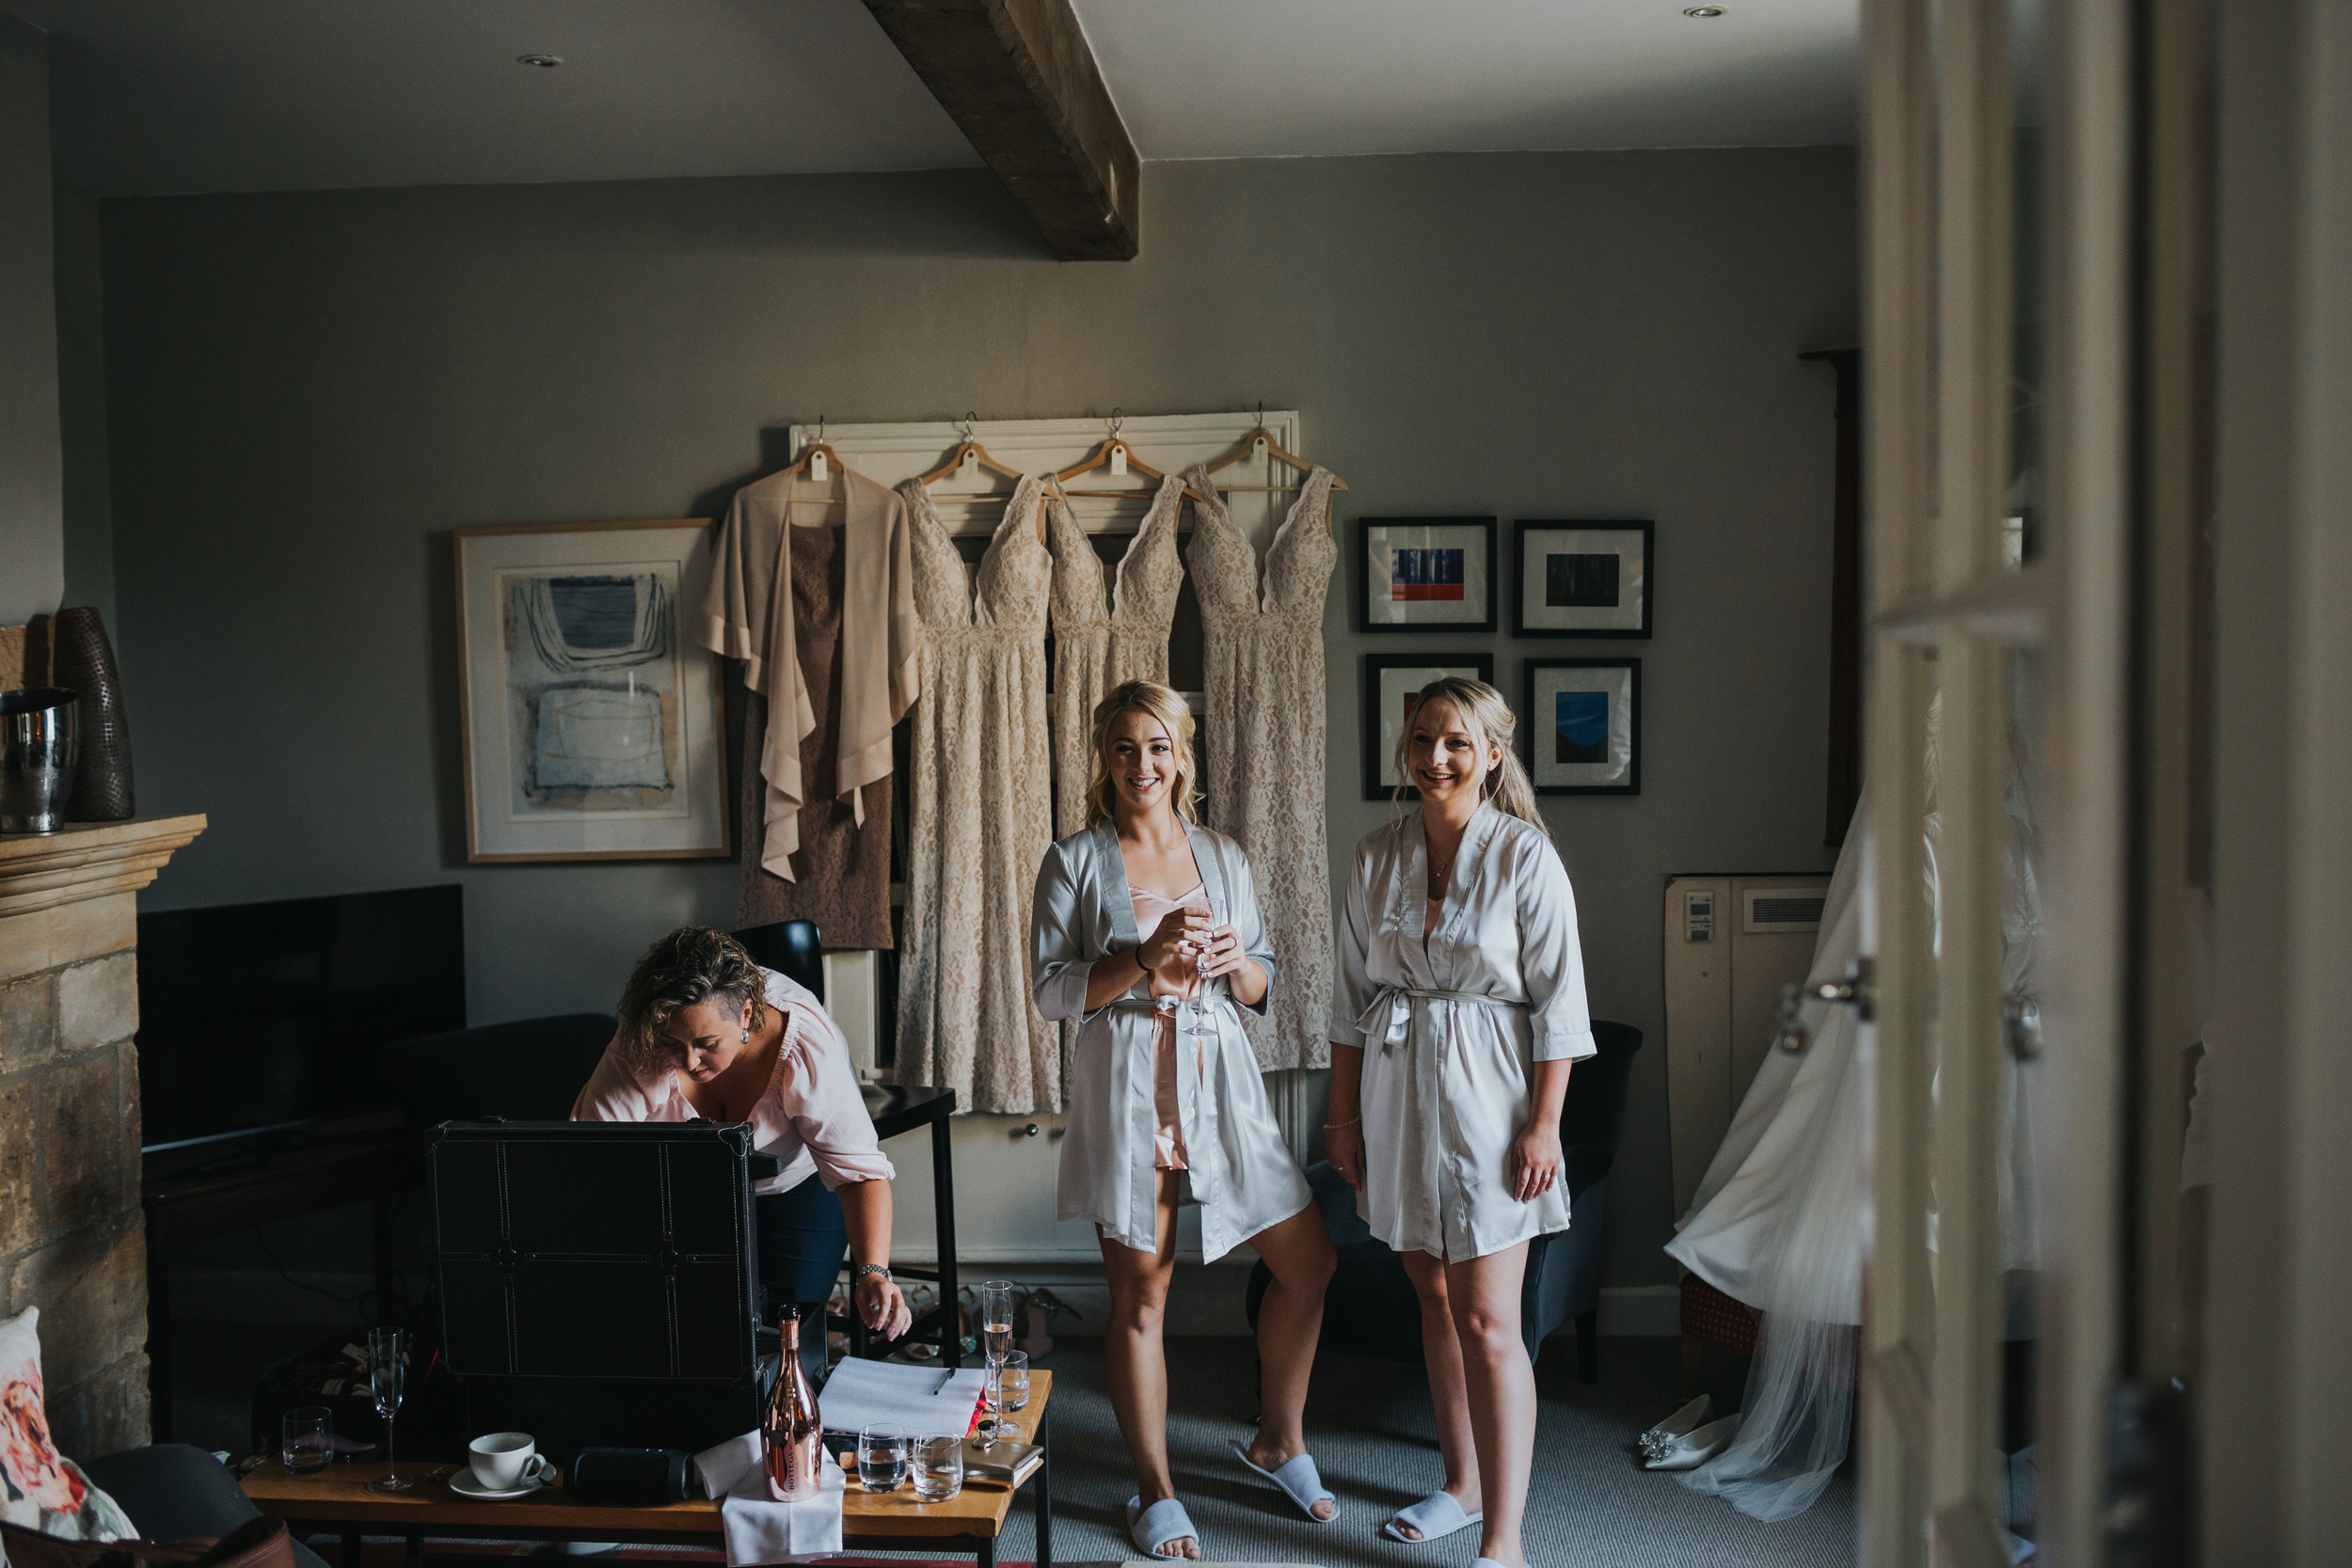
{"x":1380,"y":616}
{"x":1546,"y":773}
{"x":1378,"y":751}
{"x":1526,"y":579}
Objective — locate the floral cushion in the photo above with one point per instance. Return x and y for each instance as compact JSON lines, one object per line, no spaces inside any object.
{"x":40,"y":1488}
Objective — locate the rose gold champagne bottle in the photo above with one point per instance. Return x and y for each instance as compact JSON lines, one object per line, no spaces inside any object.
{"x":792,"y":1435}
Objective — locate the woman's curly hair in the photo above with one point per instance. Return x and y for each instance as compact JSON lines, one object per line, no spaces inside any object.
{"x":693,"y":963}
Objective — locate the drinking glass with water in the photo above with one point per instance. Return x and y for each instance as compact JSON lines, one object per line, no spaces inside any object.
{"x":938,"y":1469}
{"x":1012,"y":1382}
{"x":307,"y":1439}
{"x":881,"y":1458}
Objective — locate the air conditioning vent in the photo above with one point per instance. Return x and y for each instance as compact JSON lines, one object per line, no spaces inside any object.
{"x":1781,"y":909}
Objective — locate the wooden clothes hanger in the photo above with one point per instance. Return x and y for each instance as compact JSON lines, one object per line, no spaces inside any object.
{"x":817,"y":464}
{"x":1114,"y":446}
{"x":970,"y":454}
{"x":1263,"y":438}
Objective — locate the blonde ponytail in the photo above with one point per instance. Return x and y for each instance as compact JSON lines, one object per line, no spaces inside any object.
{"x":1508,"y":788}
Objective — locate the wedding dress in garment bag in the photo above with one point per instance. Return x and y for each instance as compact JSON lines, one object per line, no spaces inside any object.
{"x":981,"y":815}
{"x":1780,"y":1221}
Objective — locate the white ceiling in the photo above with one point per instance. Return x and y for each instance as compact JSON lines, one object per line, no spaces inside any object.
{"x":1330,"y":78}
{"x":154,"y":96}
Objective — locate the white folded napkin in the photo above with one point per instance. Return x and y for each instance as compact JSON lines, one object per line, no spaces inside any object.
{"x":759,"y":1528}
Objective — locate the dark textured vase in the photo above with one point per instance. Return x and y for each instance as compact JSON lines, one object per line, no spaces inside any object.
{"x":82,"y":659}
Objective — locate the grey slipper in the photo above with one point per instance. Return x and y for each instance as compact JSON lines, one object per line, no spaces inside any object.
{"x":1436,"y":1516}
{"x":1299,"y":1480}
{"x":1152,"y":1527}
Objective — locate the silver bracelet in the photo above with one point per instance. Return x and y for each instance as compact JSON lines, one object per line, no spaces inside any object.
{"x":865,"y":1269}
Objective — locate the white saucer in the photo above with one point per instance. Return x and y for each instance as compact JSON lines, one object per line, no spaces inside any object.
{"x":467,"y":1484}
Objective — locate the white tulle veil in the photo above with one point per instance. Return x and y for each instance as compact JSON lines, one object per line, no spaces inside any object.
{"x":1781,"y":1220}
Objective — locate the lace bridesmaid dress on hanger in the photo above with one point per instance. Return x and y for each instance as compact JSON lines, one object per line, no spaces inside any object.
{"x":1262,"y":735}
{"x":1101,"y":641}
{"x":976,"y":778}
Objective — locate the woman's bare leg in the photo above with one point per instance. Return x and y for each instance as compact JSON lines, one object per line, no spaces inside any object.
{"x":1298,"y":1252}
{"x":1136,"y":1359}
{"x":1484,"y":1293}
{"x":1449,"y":1396}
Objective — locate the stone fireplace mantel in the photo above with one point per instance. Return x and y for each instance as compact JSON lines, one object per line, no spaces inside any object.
{"x":71,"y":1239}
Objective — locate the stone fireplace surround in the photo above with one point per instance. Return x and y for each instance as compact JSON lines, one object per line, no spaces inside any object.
{"x":72,"y":1238}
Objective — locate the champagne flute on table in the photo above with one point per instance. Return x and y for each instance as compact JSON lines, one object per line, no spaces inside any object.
{"x":995,"y":1344}
{"x":995,"y":1318}
{"x":388,"y":1367}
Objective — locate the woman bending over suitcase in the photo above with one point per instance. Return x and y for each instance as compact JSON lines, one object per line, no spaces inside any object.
{"x":705,"y":1032}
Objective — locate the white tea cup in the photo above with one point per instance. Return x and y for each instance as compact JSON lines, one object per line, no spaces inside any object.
{"x":505,"y":1460}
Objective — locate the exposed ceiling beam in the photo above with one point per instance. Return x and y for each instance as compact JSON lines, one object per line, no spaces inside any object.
{"x":1018,"y":78}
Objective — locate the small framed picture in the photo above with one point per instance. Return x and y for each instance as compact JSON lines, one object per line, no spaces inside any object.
{"x":1584,"y":726}
{"x":1585,"y":579}
{"x":1428,"y":574}
{"x":1391,"y":683}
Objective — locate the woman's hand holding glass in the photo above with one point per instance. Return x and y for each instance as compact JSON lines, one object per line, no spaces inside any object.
{"x":1169,"y":952}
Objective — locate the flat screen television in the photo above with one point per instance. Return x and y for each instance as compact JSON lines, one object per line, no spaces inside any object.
{"x":261,"y":1017}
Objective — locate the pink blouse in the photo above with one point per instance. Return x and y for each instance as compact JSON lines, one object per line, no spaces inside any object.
{"x":811,"y":1114}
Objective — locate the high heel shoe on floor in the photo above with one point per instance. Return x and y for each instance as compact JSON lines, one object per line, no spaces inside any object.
{"x":1690,"y":1452}
{"x":1658,"y":1440}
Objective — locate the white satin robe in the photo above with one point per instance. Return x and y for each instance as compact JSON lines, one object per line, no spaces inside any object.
{"x":1240,"y":1169}
{"x":1448,"y":1082}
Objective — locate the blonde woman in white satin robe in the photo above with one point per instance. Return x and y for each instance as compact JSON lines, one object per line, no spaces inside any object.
{"x":1145,"y":926}
{"x":1458,"y":1009}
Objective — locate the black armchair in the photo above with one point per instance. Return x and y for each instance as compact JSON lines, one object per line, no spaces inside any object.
{"x":531,"y":1070}
{"x":793,"y":948}
{"x":1369,"y":1309}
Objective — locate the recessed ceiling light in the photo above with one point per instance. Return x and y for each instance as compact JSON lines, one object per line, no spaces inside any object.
{"x":1704,"y":12}
{"x":544,"y":62}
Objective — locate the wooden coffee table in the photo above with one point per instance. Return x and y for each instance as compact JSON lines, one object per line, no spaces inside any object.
{"x":337,"y":1501}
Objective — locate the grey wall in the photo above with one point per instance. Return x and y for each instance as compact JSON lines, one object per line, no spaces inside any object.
{"x":307,"y":392}
{"x":88,"y":500}
{"x":32,"y":550}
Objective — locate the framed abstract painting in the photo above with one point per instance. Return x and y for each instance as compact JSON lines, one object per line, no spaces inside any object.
{"x":1584,"y":726}
{"x":1585,"y":579}
{"x":1427,"y":573}
{"x":592,"y":726}
{"x":1390,"y":682}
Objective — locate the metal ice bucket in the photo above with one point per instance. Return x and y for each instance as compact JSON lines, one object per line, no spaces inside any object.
{"x":38,"y":743}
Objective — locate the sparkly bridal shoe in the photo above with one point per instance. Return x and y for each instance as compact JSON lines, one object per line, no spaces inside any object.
{"x":1690,"y":1452}
{"x":1655,"y":1443}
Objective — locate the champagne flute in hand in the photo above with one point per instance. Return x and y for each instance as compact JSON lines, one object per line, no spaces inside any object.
{"x":388,"y":1366}
{"x":1200,"y":989}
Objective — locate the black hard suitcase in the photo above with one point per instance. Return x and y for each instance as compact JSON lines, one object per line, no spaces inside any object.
{"x":598,"y":1281}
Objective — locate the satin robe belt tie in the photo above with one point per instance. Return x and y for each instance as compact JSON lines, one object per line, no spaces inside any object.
{"x":1163,"y":1003}
{"x":1399,"y":1002}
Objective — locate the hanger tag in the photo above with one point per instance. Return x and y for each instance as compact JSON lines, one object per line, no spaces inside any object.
{"x":1119,"y":461}
{"x":818,"y":470}
{"x":970,"y":467}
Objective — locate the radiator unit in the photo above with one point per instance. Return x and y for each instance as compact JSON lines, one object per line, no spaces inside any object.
{"x":1732,"y":942}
